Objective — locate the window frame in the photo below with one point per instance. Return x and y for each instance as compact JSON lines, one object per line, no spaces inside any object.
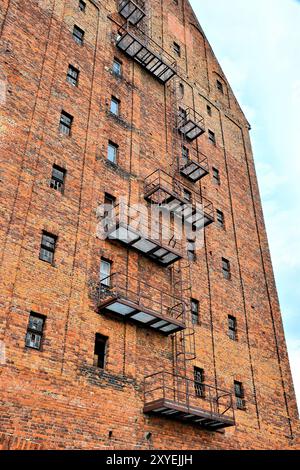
{"x":226,"y":268}
{"x":220,"y":218}
{"x":220,"y":86}
{"x":192,"y":256}
{"x":239,"y":396}
{"x":199,"y":384}
{"x":82,"y":6}
{"x":107,"y":278}
{"x":195,"y":312}
{"x":78,"y":35}
{"x":100,"y":339}
{"x":116,"y":102}
{"x":64,"y":125}
{"x":45,"y":247}
{"x":232,"y":327}
{"x":216,"y":176}
{"x":112,"y":145}
{"x":39,"y":333}
{"x":177,"y":48}
{"x":70,"y":78}
{"x":212,"y":136}
{"x":120,"y":64}
{"x":55,"y":182}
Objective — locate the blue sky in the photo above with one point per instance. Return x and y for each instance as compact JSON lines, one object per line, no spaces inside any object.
{"x":257,"y":44}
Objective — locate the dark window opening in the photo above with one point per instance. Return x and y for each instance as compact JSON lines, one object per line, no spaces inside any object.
{"x":65,"y":123}
{"x":232,"y":328}
{"x":212,"y":137}
{"x":195,"y":311}
{"x":187,"y":195}
{"x":100,"y":351}
{"x":78,"y":35}
{"x":199,"y":382}
{"x":47,"y":249}
{"x":72,"y":75}
{"x":216,"y":176}
{"x":209,"y":110}
{"x":191,"y":250}
{"x":82,"y":5}
{"x":182,"y":114}
{"x":220,"y":219}
{"x":239,"y":395}
{"x":220,"y":86}
{"x":58,"y":178}
{"x":185,"y":154}
{"x":176,"y":48}
{"x":226,"y":268}
{"x":34,"y":332}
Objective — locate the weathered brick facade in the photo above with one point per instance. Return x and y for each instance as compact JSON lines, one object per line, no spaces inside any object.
{"x":56,"y":398}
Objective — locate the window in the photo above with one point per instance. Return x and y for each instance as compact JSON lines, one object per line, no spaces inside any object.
{"x":182,"y":114}
{"x":216,"y":176}
{"x":78,"y":35}
{"x":220,"y":219}
{"x":226,"y":268}
{"x":117,"y":67}
{"x":232,"y":328}
{"x":191,"y":250}
{"x":115,"y":106}
{"x":220,"y":86}
{"x":185,"y":154}
{"x":176,"y":48}
{"x":105,"y":272}
{"x":65,"y":123}
{"x":199,"y":382}
{"x":82,"y":5}
{"x":239,"y":395}
{"x":48,"y":247}
{"x":112,"y":152}
{"x":181,"y":90}
{"x":58,"y":178}
{"x":100,"y":351}
{"x":209,"y":110}
{"x":212,"y":137}
{"x":34,"y":332}
{"x":109,"y":202}
{"x":72,"y":75}
{"x":195,"y":311}
{"x":187,"y":195}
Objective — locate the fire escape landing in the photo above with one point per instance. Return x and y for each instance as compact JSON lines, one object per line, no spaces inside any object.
{"x":177,"y":397}
{"x":190,"y":123}
{"x":146,"y":52}
{"x":138,"y":301}
{"x":194,"y":166}
{"x":131,"y":11}
{"x":164,"y":190}
{"x":136,"y":229}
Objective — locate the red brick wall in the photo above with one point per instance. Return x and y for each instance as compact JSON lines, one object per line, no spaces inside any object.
{"x":55,"y":397}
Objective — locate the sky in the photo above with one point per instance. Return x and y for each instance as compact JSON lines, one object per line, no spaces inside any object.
{"x":257,"y":45}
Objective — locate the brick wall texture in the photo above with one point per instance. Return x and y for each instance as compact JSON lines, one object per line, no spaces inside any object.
{"x":55,"y":398}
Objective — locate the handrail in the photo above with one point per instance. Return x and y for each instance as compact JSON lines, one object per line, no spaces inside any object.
{"x":183,"y":390}
{"x":143,"y":293}
{"x":168,"y":183}
{"x":140,"y":36}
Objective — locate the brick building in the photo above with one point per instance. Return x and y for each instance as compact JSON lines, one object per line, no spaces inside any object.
{"x":132,"y":340}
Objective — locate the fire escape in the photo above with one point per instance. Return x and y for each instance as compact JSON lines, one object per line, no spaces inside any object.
{"x":172,"y":394}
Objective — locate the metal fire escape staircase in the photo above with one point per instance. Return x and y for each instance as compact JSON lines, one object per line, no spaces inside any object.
{"x":170,"y":394}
